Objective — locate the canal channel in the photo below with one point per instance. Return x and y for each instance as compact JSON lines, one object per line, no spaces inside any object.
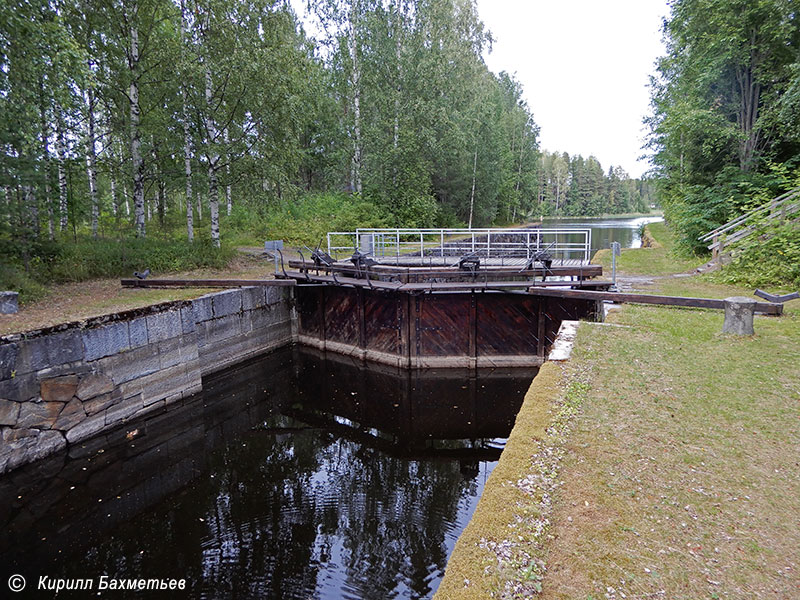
{"x":295,"y":475}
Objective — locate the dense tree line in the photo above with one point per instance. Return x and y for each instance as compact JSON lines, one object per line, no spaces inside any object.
{"x":577,"y":186}
{"x":115,"y":114}
{"x":726,"y":110}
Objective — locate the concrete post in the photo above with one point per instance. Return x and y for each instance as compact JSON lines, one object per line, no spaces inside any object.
{"x":9,"y":303}
{"x":739,"y":312}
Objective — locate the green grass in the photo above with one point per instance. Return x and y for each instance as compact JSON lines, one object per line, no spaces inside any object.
{"x":660,"y":260}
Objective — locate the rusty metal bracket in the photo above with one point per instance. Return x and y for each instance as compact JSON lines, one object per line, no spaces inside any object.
{"x":282,"y":267}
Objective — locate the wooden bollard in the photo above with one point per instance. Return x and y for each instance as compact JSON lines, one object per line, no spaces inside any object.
{"x":739,"y":312}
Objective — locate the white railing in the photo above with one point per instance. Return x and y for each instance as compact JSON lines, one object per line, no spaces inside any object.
{"x":560,"y":243}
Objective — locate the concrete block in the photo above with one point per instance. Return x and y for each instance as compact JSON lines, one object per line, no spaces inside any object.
{"x":253,"y":297}
{"x":9,"y":303}
{"x":107,"y":340}
{"x":59,"y":389}
{"x":49,"y":351}
{"x":227,"y":303}
{"x":87,"y":428}
{"x":8,"y":359}
{"x":137,"y":331}
{"x":123,"y":410}
{"x":133,"y":364}
{"x":93,"y":384}
{"x":38,"y":415}
{"x":202,"y":309}
{"x":188,"y":323}
{"x":163,"y":326}
{"x":71,"y":416}
{"x":9,"y":412}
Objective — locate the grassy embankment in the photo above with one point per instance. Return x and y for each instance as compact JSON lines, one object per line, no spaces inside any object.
{"x":680,"y":475}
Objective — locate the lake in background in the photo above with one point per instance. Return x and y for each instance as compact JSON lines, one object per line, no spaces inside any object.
{"x":624,"y":230}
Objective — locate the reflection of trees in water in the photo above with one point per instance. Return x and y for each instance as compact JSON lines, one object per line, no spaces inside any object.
{"x":315,"y":500}
{"x":286,"y":511}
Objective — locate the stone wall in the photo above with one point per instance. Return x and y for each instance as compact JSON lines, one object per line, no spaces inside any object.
{"x":64,"y":384}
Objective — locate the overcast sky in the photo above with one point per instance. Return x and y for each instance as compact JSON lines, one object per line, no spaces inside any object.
{"x":584,"y":65}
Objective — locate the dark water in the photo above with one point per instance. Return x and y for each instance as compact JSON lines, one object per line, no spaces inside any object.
{"x":293,"y":476}
{"x":604,"y":231}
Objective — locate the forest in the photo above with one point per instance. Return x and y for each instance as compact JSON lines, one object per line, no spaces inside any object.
{"x":725,"y":121}
{"x":181,"y":121}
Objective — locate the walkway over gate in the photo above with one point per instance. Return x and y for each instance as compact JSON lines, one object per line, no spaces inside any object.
{"x":438,"y":247}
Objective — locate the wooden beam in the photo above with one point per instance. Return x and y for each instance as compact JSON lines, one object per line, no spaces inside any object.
{"x":206,"y":283}
{"x":767,"y":308}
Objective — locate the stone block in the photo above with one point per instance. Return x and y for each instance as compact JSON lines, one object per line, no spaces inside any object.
{"x":87,"y":428}
{"x":98,"y":403}
{"x":168,"y":382}
{"x":274,"y":294}
{"x":38,"y":415}
{"x":51,"y":350}
{"x":71,"y":416}
{"x":20,"y":388}
{"x":223,"y":329}
{"x":227,"y":303}
{"x":28,"y":449}
{"x":93,"y":384}
{"x":202,"y":309}
{"x":739,"y":311}
{"x":188,"y":323}
{"x":123,"y":410}
{"x":169,"y":352}
{"x":253,"y":297}
{"x":9,"y":412}
{"x":137,"y":331}
{"x":133,"y":364}
{"x":107,"y":340}
{"x":59,"y":389}
{"x":14,"y":435}
{"x":163,"y":326}
{"x":8,"y":359}
{"x":201,"y":333}
{"x":9,"y":303}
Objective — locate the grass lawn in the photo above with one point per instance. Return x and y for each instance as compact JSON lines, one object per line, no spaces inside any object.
{"x":662,"y":461}
{"x":75,"y":301}
{"x":682,"y":473}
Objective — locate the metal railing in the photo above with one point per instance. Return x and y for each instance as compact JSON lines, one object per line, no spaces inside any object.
{"x":398,"y":244}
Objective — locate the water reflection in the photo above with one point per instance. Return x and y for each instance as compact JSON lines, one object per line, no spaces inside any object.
{"x":604,"y":231}
{"x":295,"y":476}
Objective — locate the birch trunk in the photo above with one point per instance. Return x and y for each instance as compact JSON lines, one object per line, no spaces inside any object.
{"x":472,"y":193}
{"x":61,"y":149}
{"x":46,"y":157}
{"x":136,"y":144}
{"x":356,"y":81}
{"x":114,"y":198}
{"x":213,"y":161}
{"x":187,"y":139}
{"x":227,"y":172}
{"x":91,"y":162}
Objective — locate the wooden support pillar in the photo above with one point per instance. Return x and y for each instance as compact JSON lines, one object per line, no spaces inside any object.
{"x":473,"y":327}
{"x":540,"y":346}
